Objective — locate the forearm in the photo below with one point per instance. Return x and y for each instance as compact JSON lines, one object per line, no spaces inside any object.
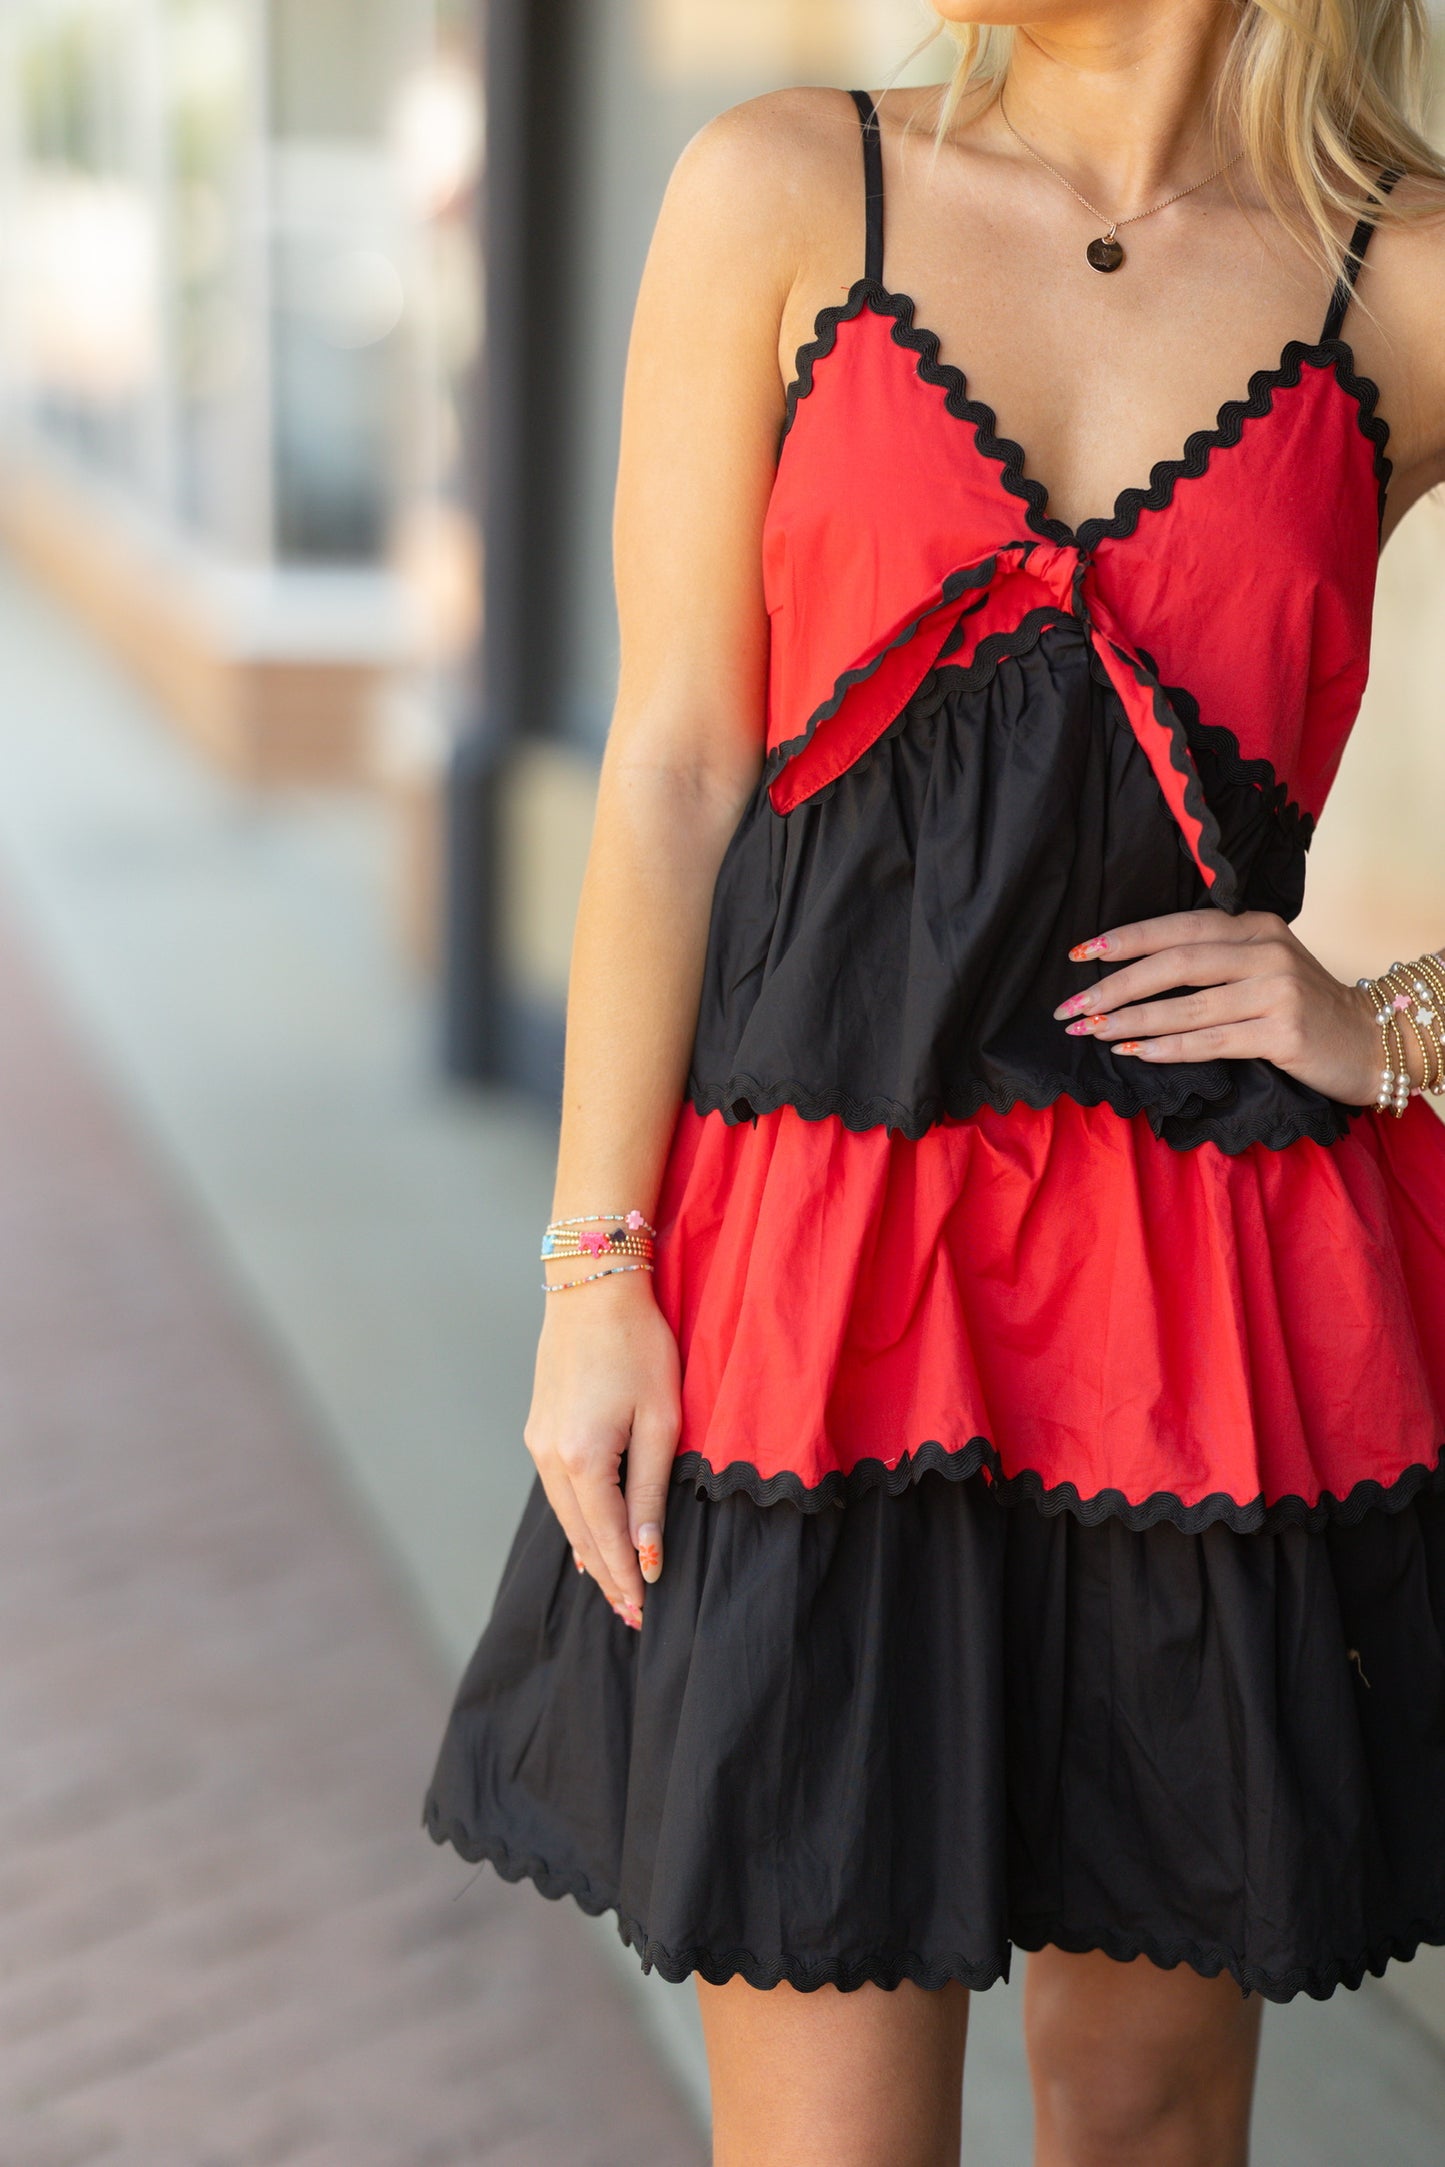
{"x":636,"y":972}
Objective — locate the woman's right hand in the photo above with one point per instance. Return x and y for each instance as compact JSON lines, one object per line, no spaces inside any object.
{"x":608,"y":1382}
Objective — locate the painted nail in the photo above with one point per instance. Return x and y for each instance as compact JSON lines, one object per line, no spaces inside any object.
{"x":649,"y":1551}
{"x":1071,"y":1007}
{"x":1129,"y":1045}
{"x":1083,"y":1028}
{"x":578,"y":1563}
{"x":1087,"y":950}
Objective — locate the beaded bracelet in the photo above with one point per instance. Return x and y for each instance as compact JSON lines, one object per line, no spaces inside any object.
{"x":1421,"y":1019}
{"x":615,"y":1244}
{"x":613,"y":1234}
{"x":1416,"y":994}
{"x":560,"y":1286}
{"x":1394,"y":1092}
{"x":1424,"y":981}
{"x":632,"y":1220}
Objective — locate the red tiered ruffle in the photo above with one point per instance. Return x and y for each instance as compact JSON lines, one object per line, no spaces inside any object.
{"x":1102,"y":1323}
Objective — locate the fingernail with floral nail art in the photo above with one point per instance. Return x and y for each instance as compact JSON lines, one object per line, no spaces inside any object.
{"x":1129,"y":1045}
{"x":1085,"y":1027}
{"x":1087,"y":950}
{"x":649,"y":1551}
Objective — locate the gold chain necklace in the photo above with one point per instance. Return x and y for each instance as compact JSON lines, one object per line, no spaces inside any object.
{"x":1107,"y":252}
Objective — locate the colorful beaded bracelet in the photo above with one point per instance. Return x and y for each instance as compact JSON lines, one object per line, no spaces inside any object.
{"x":625,"y":1237}
{"x":632,"y":1220}
{"x":618,"y":1243}
{"x":560,"y":1286}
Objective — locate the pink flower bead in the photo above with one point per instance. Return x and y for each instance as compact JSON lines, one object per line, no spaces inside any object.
{"x":633,"y":1221}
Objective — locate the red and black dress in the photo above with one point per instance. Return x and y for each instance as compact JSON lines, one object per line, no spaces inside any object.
{"x":1056,"y":1552}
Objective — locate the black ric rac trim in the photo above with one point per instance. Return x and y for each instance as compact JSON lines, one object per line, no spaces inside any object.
{"x":891,"y":1967}
{"x":1021,"y":639}
{"x":1224,"y":750}
{"x":1333,"y":353}
{"x":1028,"y":1488}
{"x":1224,"y":890}
{"x":1324,"y":1124}
{"x":991,"y":651}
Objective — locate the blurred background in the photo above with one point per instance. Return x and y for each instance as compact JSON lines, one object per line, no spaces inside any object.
{"x":312,"y":325}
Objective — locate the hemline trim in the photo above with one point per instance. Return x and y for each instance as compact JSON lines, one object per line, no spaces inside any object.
{"x":1027,"y":1487}
{"x":889,"y":1969}
{"x":1231,"y":1133}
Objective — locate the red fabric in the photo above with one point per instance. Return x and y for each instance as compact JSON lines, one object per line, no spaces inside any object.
{"x":881,"y":493}
{"x":1106,"y":1311}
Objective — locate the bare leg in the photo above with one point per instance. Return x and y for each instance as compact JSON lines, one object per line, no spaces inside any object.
{"x":871,"y":2078}
{"x":1137,"y":2067}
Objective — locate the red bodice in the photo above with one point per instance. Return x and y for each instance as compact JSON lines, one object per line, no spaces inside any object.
{"x":900,"y":518}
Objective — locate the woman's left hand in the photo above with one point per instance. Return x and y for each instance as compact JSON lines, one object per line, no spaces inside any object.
{"x":1260,"y":995}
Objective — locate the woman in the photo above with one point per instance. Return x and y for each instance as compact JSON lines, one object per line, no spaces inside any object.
{"x":1040,"y":1391}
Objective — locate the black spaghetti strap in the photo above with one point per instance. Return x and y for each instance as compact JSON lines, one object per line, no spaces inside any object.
{"x":1359,"y":241}
{"x":872,"y":185}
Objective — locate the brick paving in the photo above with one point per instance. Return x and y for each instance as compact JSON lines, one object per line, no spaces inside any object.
{"x":225,"y":1940}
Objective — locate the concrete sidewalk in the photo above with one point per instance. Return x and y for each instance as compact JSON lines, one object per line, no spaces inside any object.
{"x":226,"y":1942}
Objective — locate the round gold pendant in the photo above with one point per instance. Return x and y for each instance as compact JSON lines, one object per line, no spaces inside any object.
{"x":1105,"y":254}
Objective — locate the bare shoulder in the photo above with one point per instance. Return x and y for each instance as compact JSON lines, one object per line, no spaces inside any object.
{"x":763,"y":175}
{"x":1405,"y":291}
{"x":1407,"y":269}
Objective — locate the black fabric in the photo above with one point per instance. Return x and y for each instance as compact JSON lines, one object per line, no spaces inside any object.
{"x":1359,"y":242}
{"x":872,"y":185}
{"x":891,"y":951}
{"x":890,"y":1741}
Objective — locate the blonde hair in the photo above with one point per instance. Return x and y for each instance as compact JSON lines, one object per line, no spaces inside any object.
{"x":1319,"y":94}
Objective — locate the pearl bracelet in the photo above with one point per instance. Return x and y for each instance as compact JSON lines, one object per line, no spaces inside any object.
{"x":1414,"y":994}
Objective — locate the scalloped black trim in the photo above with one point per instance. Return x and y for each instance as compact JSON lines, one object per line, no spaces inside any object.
{"x":1323,"y":1124}
{"x":1228,"y":427}
{"x":714,"y":1965}
{"x":1027,"y":1487}
{"x":991,"y":652}
{"x":1224,"y":891}
{"x":947,"y":678}
{"x":891,"y":1968}
{"x":1227,"y":754}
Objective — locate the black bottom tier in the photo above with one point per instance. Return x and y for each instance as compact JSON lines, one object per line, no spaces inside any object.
{"x":891,"y":1740}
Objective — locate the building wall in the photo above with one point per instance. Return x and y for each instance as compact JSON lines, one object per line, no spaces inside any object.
{"x":217,"y":347}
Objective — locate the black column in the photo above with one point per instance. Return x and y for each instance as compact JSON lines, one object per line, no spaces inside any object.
{"x":515,"y":458}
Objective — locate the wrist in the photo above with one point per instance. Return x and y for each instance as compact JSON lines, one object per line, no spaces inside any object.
{"x":1407,"y":1008}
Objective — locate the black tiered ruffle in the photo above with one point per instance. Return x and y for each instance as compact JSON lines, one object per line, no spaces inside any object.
{"x":891,"y":1741}
{"x":891,"y":950}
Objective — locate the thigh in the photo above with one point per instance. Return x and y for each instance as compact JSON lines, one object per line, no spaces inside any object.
{"x":871,"y":2078}
{"x":1137,"y":2067}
